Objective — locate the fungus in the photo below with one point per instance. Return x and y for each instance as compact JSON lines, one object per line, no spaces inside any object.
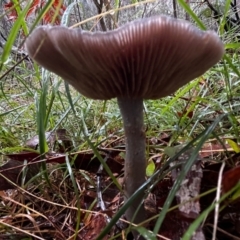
{"x":145,"y":59}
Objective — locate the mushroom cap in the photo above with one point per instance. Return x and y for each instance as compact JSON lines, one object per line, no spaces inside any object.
{"x":148,"y":58}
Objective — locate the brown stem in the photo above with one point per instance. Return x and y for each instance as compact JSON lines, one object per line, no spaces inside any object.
{"x":174,"y":8}
{"x":99,"y":8}
{"x":135,"y":162}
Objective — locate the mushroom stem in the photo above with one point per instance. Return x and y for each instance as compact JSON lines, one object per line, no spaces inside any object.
{"x":135,"y":162}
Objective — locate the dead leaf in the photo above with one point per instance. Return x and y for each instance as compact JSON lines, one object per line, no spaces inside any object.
{"x":230,"y":179}
{"x":94,"y":228}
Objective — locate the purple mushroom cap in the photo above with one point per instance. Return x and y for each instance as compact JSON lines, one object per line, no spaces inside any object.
{"x":147,"y":59}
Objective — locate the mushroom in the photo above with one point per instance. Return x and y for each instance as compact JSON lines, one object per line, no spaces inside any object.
{"x":145,"y":59}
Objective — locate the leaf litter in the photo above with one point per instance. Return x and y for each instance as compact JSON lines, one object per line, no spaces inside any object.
{"x":32,"y":208}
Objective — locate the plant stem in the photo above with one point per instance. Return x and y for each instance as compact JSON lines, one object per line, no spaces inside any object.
{"x":135,"y":162}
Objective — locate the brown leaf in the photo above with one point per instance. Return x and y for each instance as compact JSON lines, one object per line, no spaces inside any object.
{"x":22,"y":156}
{"x":230,"y":179}
{"x":211,"y":148}
{"x":94,"y":228}
{"x":175,"y":225}
{"x":12,"y":170}
{"x":183,"y":113}
{"x":59,"y":141}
